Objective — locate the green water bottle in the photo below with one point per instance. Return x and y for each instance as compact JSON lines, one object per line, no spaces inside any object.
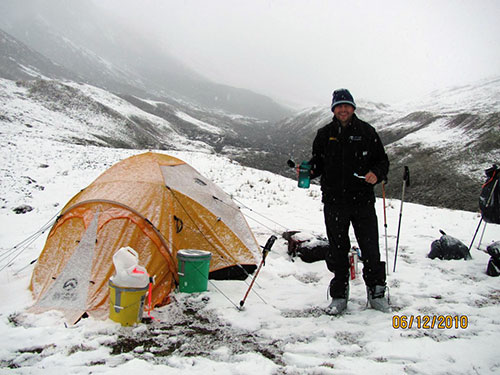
{"x":304,"y":175}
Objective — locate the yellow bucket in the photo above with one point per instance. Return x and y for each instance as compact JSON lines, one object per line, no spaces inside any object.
{"x":126,"y":304}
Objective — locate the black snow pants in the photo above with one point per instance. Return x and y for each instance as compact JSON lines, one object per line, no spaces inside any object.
{"x":365,"y":225}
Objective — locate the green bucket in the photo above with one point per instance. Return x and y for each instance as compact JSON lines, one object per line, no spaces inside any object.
{"x":193,"y":270}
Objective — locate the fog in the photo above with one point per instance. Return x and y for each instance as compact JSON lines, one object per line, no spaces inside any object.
{"x":299,"y":51}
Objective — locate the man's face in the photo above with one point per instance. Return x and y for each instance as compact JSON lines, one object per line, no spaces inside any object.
{"x":343,"y":112}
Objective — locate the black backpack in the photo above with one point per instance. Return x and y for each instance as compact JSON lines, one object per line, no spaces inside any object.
{"x":493,"y":268}
{"x":309,"y":250}
{"x":448,"y":247}
{"x":489,"y":199}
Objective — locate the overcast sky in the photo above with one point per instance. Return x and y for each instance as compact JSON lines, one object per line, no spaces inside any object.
{"x":299,"y":51}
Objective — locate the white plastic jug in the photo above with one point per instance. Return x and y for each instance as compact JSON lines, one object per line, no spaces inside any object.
{"x":128,"y":272}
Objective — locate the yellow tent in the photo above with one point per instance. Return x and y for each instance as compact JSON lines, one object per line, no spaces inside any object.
{"x":154,"y":203}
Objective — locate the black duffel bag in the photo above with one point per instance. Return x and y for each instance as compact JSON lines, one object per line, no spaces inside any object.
{"x":493,"y":268}
{"x":448,"y":247}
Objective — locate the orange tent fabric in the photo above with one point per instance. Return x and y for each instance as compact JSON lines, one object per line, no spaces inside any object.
{"x":156,"y":204}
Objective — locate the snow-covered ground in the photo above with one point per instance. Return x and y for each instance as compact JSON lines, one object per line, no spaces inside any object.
{"x":281,"y":330}
{"x":482,"y":97}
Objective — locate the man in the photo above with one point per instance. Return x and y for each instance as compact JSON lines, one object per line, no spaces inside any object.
{"x":350,"y":158}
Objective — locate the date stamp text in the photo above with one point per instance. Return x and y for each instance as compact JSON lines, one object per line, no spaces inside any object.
{"x":430,"y":321}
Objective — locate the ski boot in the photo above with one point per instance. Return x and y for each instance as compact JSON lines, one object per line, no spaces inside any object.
{"x":376,"y":298}
{"x":339,"y":301}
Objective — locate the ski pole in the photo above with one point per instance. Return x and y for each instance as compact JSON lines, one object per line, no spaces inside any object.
{"x":406,"y":182}
{"x":385,"y":228}
{"x":475,"y":234}
{"x":265,"y":251}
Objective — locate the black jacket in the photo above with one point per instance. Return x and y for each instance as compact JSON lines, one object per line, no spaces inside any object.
{"x":339,"y":153}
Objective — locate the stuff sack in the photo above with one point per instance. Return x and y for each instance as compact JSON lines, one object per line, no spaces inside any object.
{"x":308,"y":248}
{"x":448,"y":248}
{"x":493,"y":268}
{"x":489,"y":199}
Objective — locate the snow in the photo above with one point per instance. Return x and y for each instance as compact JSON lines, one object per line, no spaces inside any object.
{"x":200,"y":124}
{"x":41,"y":117}
{"x":281,"y":329}
{"x":478,"y":98}
{"x":434,"y":135}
